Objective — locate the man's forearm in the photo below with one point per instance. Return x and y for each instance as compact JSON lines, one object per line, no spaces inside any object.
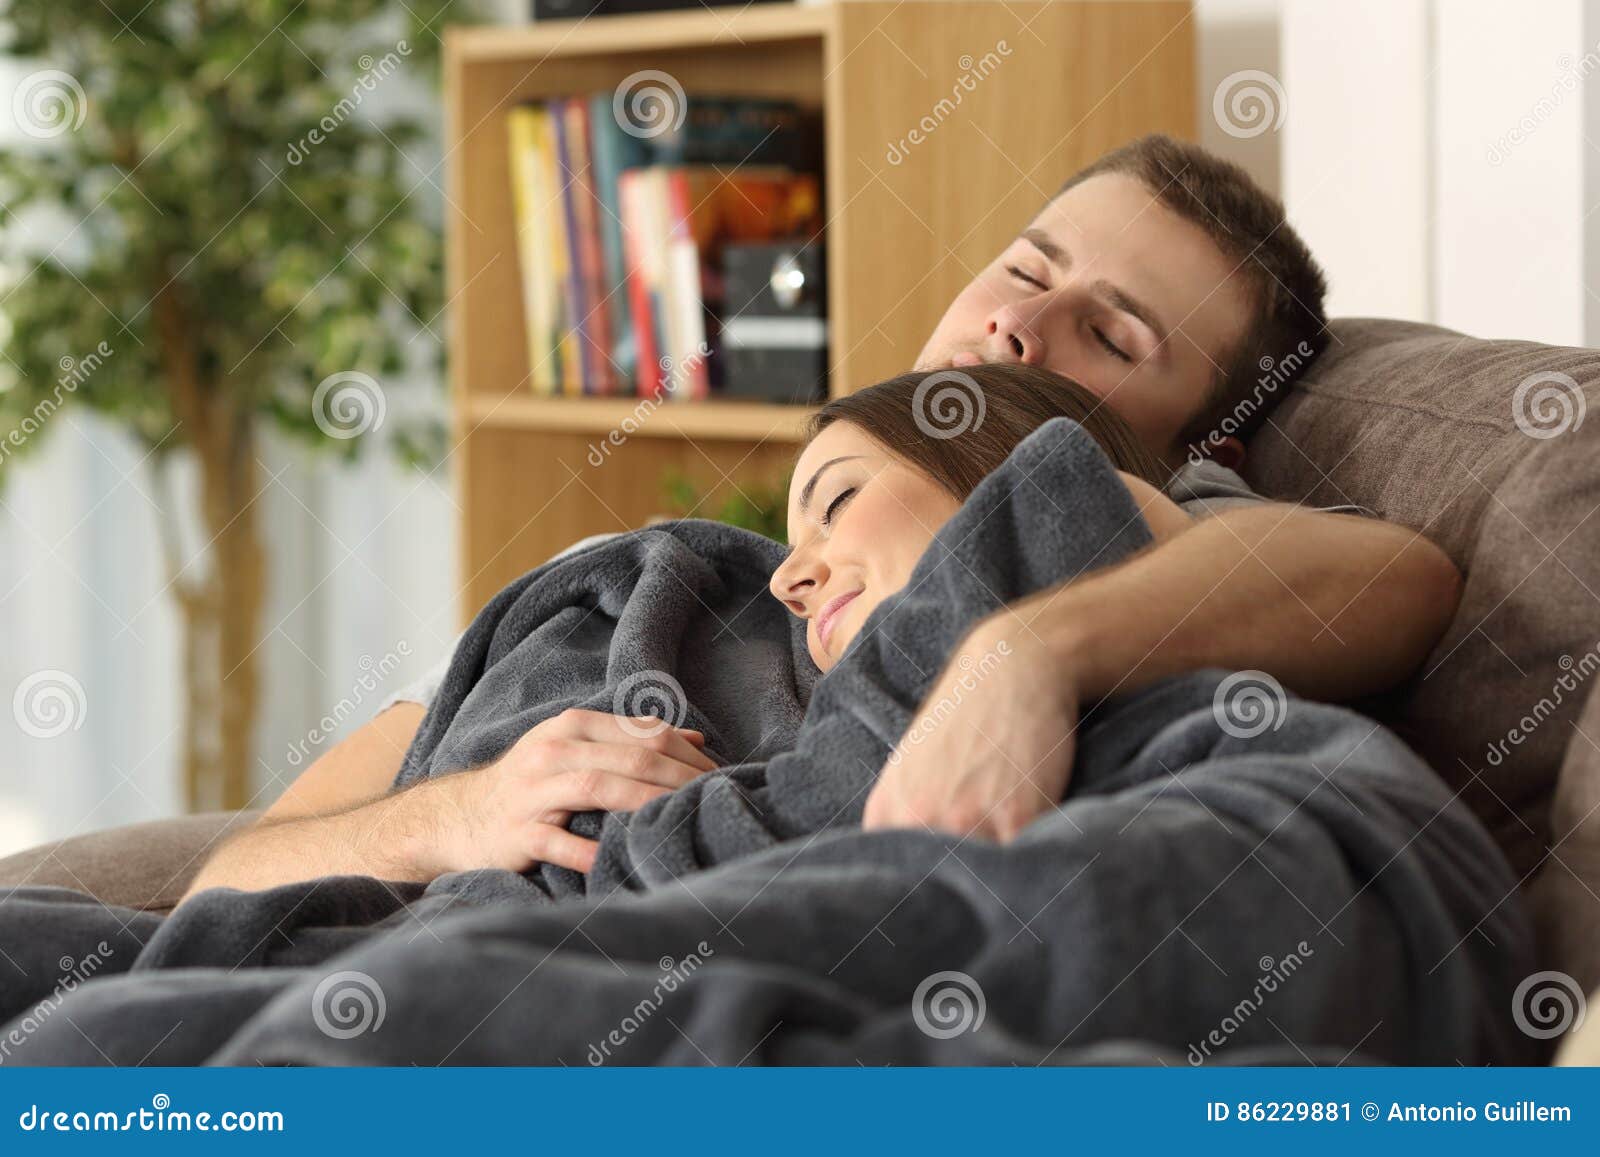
{"x":1331,"y":605}
{"x":392,"y":838}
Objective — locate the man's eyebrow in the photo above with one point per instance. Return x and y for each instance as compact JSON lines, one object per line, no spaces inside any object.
{"x":1047,"y":246}
{"x":807,"y":490}
{"x":1131,"y":305}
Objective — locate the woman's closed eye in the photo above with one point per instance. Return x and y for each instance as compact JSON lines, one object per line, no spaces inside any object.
{"x":1110,"y":347}
{"x":837,"y":505}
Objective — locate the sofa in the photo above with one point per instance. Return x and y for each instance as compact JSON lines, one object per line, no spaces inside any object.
{"x":1482,"y":446}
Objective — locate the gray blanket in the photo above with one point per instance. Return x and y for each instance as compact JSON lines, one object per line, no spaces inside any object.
{"x":1299,"y":889}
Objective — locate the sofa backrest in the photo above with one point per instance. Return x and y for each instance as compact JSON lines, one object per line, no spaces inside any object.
{"x":1487,"y":448}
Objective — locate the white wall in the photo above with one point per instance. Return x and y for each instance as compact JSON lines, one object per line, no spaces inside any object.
{"x":1439,"y":158}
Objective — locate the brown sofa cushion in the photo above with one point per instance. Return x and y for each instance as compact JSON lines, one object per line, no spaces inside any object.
{"x":1461,"y":439}
{"x":1566,"y":893}
{"x":146,"y":866}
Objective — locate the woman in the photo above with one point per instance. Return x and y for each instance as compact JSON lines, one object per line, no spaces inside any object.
{"x":877,"y":478}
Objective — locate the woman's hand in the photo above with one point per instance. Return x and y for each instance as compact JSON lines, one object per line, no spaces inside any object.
{"x":991,"y":748}
{"x":513,"y":812}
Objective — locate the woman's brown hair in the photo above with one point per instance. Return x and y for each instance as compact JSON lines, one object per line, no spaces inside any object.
{"x":958,"y":426}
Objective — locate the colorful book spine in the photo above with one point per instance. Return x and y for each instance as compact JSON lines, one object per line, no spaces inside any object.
{"x":632,"y":199}
{"x":569,"y":276}
{"x":598,"y":371}
{"x":611,"y":152}
{"x":530,"y":196}
{"x":690,"y":370}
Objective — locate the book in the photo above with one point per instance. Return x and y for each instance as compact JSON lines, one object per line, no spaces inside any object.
{"x":611,"y":151}
{"x":620,"y":256}
{"x":530,"y":196}
{"x":632,"y":200}
{"x":569,"y":275}
{"x":594,"y":296}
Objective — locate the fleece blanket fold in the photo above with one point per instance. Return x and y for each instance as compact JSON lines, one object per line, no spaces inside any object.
{"x":1286,"y":883}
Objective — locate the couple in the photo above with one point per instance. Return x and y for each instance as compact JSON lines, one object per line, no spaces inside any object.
{"x":1157,"y":280}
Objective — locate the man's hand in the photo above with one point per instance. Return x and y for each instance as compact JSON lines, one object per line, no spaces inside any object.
{"x":991,"y":748}
{"x":513,"y":812}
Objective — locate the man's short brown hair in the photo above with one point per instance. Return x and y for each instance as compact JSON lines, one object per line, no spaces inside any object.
{"x":1287,"y":327}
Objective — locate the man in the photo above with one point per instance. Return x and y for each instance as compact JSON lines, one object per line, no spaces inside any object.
{"x":1161,"y":278}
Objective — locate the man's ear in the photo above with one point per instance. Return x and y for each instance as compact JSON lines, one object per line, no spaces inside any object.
{"x":1227,"y":452}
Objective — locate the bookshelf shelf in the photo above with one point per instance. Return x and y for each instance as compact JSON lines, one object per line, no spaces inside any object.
{"x":696,"y":28}
{"x":903,"y":233}
{"x":720,"y":419}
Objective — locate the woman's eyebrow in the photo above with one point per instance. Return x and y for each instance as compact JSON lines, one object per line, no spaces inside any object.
{"x":810,"y":487}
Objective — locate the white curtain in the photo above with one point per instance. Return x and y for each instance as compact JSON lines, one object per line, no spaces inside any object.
{"x":362,"y":563}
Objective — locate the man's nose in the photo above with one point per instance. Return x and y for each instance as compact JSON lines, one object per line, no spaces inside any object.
{"x":1011,"y":336}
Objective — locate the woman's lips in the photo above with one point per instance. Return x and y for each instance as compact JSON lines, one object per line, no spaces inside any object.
{"x":830,"y":615}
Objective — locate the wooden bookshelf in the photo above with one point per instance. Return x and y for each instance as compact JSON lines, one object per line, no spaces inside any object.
{"x":901,"y":239}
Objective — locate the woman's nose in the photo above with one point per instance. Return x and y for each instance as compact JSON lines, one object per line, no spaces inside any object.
{"x":797,"y":577}
{"x":1011,"y":336}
